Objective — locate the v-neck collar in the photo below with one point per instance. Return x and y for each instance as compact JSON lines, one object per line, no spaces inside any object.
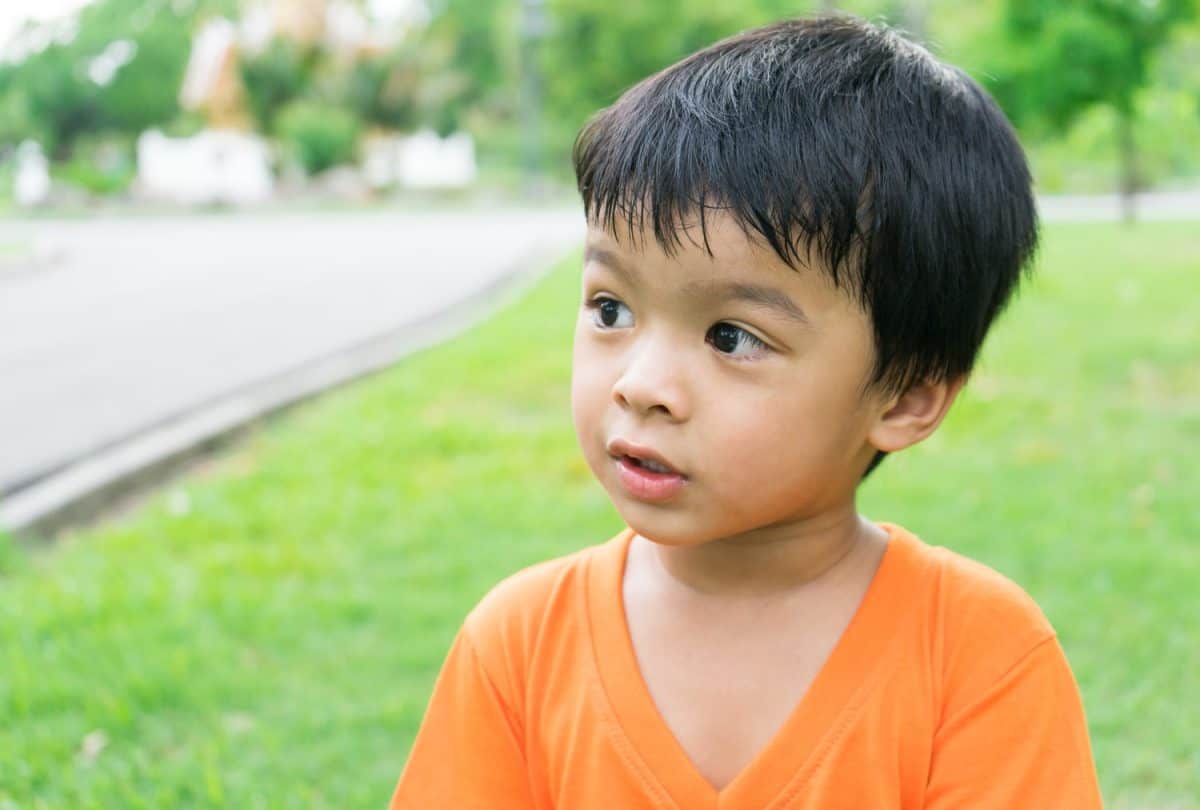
{"x":782,"y":765}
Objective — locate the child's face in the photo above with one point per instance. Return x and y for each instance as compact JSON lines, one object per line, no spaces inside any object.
{"x":740,"y":373}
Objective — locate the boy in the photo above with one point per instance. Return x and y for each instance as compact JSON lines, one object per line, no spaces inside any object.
{"x":797,"y":240}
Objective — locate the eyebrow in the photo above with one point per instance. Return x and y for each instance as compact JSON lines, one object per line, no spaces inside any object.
{"x":767,"y":297}
{"x":591,"y":253}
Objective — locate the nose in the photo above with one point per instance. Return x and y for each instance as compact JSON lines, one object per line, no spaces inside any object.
{"x":654,"y":379}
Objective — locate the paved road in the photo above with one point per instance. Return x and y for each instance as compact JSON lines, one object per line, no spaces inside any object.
{"x":138,"y":320}
{"x":125,"y":323}
{"x":1107,"y":207}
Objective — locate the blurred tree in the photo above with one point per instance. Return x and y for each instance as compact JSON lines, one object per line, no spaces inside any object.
{"x":283,"y":72}
{"x":85,"y":85}
{"x":16,"y":123}
{"x":318,"y":136}
{"x":414,"y":84}
{"x":382,"y":90}
{"x":1061,"y":57}
{"x":61,"y":102}
{"x":596,"y":50}
{"x":145,"y":91}
{"x":590,"y":53}
{"x":479,"y":38}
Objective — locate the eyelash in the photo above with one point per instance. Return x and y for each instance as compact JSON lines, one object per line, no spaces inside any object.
{"x":753,"y":340}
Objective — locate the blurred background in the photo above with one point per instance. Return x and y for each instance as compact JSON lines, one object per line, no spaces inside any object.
{"x":287,"y":291}
{"x":134,"y":102}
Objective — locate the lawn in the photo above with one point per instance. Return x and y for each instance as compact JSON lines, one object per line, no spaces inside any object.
{"x":265,"y":633}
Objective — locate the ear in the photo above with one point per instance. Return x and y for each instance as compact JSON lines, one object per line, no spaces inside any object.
{"x":912,"y":416}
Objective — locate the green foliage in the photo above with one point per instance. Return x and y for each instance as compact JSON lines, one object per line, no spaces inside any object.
{"x":1061,"y":57}
{"x":282,"y":73}
{"x":480,"y":39}
{"x":88,"y":177}
{"x":599,"y":49}
{"x":51,"y":96}
{"x":381,"y":90}
{"x":1064,"y":57}
{"x":589,"y":52}
{"x":319,"y":136}
{"x":99,"y":164}
{"x":414,"y":84}
{"x":1167,"y":132}
{"x":60,"y":102}
{"x":184,"y":125}
{"x":16,"y":120}
{"x":144,"y":93}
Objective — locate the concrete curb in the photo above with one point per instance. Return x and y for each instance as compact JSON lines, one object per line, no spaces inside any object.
{"x":83,"y":490}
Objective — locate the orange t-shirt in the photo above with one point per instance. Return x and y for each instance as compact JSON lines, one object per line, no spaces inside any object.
{"x":948,"y":689}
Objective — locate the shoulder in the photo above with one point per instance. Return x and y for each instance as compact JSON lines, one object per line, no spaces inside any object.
{"x":980,"y":599}
{"x":519,"y":612}
{"x":525,"y":593}
{"x":978,"y":622}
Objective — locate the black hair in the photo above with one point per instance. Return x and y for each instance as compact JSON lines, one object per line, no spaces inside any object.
{"x":836,"y":136}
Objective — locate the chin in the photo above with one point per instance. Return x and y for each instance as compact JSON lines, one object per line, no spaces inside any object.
{"x":663,"y":527}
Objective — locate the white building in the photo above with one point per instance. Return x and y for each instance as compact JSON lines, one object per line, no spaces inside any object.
{"x":214,"y":166}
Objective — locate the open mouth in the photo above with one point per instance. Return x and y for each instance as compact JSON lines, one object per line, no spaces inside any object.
{"x":651,"y":465}
{"x":643,"y":466}
{"x":648,"y":479}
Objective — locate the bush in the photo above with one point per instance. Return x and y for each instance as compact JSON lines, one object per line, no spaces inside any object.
{"x":282,"y":73}
{"x":184,"y":125}
{"x":99,"y":164}
{"x":318,"y":135}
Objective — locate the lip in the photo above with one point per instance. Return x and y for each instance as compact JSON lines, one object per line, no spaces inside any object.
{"x":620,"y":447}
{"x":642,"y":483}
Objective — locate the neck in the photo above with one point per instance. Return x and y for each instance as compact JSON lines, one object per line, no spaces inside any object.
{"x":773,"y":561}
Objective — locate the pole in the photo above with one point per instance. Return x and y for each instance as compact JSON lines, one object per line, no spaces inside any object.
{"x":533,"y":29}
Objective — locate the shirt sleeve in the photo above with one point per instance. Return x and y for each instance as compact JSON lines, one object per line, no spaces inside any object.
{"x":468,"y":753}
{"x":1023,"y":742}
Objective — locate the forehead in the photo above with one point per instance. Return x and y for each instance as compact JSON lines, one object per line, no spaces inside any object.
{"x":720,"y":250}
{"x":719,"y":240}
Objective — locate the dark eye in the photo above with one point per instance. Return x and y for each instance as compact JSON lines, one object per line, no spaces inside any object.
{"x":734,"y":341}
{"x":610,"y":313}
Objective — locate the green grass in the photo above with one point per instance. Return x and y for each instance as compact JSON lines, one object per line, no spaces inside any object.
{"x":266,"y":632}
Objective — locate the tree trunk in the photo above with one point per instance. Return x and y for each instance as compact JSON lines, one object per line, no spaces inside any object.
{"x":1129,"y":163}
{"x":533,"y":29}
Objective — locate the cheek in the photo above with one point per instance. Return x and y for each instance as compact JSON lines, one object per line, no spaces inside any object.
{"x":588,"y":386}
{"x":762,"y":448}
{"x":778,"y":438}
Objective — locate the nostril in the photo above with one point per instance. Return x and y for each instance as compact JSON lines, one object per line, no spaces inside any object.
{"x":649,"y":394}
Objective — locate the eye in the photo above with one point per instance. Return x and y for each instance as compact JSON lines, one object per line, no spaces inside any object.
{"x":735,"y":341}
{"x":609,"y":313}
